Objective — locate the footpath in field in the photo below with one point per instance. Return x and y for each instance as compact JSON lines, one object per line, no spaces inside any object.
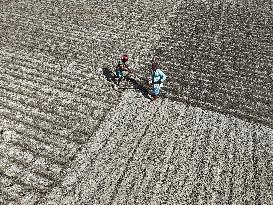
{"x":171,"y":153}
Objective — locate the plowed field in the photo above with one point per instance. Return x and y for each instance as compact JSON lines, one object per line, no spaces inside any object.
{"x":68,"y":138}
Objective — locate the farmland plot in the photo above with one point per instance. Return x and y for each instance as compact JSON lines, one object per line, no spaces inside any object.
{"x":47,"y":114}
{"x":87,"y":33}
{"x":220,"y":58}
{"x":54,"y":100}
{"x":52,"y":92}
{"x":171,"y":153}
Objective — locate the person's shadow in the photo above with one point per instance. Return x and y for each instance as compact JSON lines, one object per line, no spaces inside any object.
{"x":108,"y":74}
{"x":138,"y":83}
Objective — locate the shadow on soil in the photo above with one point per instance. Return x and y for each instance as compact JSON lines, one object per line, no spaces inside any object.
{"x":132,"y":82}
{"x":108,"y":74}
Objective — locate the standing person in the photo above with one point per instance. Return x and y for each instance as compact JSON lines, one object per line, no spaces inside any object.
{"x":157,"y":78}
{"x":121,"y":67}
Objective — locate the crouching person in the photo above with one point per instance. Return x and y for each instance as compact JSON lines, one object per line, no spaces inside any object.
{"x":120,"y":68}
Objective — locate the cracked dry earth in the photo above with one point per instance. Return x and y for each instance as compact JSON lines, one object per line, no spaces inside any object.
{"x":68,"y":138}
